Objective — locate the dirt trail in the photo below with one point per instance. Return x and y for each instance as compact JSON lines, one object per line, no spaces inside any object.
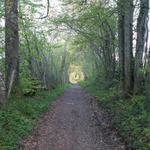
{"x":72,"y":124}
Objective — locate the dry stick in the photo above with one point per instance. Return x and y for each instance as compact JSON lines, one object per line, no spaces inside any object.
{"x":11,"y":83}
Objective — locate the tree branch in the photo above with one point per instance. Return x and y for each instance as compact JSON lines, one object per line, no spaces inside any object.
{"x":48,"y":5}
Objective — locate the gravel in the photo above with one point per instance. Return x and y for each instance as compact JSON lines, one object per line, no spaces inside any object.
{"x":73,"y":122}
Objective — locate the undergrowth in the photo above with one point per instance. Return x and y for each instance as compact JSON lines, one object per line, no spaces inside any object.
{"x":20,"y":115}
{"x":131,"y":118}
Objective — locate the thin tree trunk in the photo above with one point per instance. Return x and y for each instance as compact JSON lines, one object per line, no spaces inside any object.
{"x":62,"y":69}
{"x":121,"y":43}
{"x":11,"y":45}
{"x":29,"y":50}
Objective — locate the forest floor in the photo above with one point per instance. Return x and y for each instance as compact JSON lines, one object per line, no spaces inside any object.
{"x":73,"y":122}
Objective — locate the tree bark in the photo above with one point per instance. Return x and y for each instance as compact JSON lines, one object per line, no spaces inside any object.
{"x":128,"y":39}
{"x":11,"y":45}
{"x":125,"y":35}
{"x":140,"y":45}
{"x":121,"y":43}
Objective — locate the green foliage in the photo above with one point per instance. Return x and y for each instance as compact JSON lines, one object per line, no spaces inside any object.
{"x":13,"y":125}
{"x":19,"y":116}
{"x":131,"y":118}
{"x":29,"y":86}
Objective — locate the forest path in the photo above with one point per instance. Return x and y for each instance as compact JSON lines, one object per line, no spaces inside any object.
{"x":71,"y":124}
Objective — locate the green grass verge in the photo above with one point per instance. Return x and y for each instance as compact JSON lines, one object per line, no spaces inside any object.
{"x":20,"y":115}
{"x":131,"y":118}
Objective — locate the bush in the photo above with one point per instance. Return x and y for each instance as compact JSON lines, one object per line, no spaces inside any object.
{"x":29,"y":86}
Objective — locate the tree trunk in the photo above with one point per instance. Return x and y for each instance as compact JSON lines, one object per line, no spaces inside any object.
{"x":11,"y":45}
{"x":128,"y":39}
{"x":121,"y":43}
{"x":140,"y":45}
{"x":125,"y":34}
{"x":2,"y":89}
{"x":63,"y":63}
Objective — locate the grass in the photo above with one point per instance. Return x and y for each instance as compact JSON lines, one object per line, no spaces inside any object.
{"x":20,"y":115}
{"x":131,"y":118}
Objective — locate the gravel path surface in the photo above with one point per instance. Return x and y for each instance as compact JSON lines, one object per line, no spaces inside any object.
{"x":73,"y":122}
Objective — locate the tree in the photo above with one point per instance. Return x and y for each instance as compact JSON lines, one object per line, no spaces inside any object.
{"x":11,"y":45}
{"x":121,"y":42}
{"x":63,"y":63}
{"x":125,"y":24}
{"x":140,"y":46}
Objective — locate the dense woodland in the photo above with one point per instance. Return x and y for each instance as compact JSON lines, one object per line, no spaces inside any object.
{"x":106,"y":43}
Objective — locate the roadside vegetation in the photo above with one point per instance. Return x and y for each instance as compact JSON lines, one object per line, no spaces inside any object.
{"x":129,"y":117}
{"x":20,"y":115}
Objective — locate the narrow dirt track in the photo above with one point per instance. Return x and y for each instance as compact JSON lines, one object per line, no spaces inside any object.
{"x":72,"y":124}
